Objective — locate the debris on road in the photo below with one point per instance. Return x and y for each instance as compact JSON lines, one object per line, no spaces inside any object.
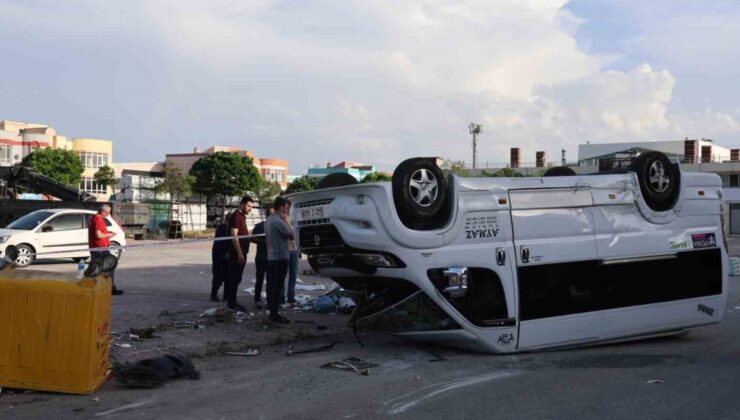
{"x":123,"y":345}
{"x":655,"y":381}
{"x":250,"y":352}
{"x":219,"y":314}
{"x":327,"y":347}
{"x":142,"y":333}
{"x":151,"y":373}
{"x":351,"y":363}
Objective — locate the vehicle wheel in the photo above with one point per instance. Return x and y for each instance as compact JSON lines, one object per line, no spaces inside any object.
{"x":336,"y":180}
{"x":659,"y":179}
{"x":420,"y":193}
{"x":115,"y":252}
{"x":25,"y":255}
{"x":560,"y":171}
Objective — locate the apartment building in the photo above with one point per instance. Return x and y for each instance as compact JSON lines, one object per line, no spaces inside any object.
{"x":19,"y":139}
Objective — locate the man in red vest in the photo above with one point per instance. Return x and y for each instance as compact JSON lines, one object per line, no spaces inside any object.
{"x":99,"y":237}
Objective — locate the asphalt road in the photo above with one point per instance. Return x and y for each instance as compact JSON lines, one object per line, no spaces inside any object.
{"x":693,"y":376}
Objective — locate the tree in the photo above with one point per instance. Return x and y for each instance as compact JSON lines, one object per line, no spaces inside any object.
{"x":456,"y":167}
{"x":507,"y":173}
{"x":224,"y":174}
{"x":175,"y":183}
{"x":376,"y":177}
{"x":304,"y":183}
{"x":106,"y":177}
{"x":58,"y":164}
{"x":266,"y":191}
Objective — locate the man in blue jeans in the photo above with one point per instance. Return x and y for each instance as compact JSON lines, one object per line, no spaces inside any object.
{"x":277,"y":232}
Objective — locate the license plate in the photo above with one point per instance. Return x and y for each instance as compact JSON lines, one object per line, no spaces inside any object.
{"x":310,"y":213}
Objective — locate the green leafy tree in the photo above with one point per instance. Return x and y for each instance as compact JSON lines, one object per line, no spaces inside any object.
{"x":507,"y":173}
{"x":266,"y":191}
{"x":59,"y":164}
{"x":304,"y":183}
{"x":106,"y":177}
{"x":376,"y":177}
{"x":456,"y":167}
{"x":224,"y":175}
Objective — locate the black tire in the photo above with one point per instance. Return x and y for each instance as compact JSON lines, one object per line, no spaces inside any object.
{"x":560,"y":171}
{"x":336,"y":180}
{"x":659,"y":179}
{"x":23,"y":258}
{"x":420,"y":193}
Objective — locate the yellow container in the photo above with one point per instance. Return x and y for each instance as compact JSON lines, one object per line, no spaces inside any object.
{"x":54,"y":331}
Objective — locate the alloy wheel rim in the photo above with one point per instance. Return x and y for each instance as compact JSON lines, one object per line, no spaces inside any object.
{"x":24,"y":256}
{"x":423,"y":187}
{"x":657,"y":178}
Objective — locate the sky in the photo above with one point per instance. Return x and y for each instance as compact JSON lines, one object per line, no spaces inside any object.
{"x":374,"y":82}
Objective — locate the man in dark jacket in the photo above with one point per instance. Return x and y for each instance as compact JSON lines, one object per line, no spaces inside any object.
{"x":219,"y":257}
{"x":260,"y":260}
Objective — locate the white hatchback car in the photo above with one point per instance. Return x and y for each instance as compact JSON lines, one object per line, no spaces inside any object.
{"x":60,"y":232}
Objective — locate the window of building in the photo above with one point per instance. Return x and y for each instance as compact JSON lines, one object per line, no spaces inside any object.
{"x":93,"y":159}
{"x":734,"y":180}
{"x":89,"y":185}
{"x":274,"y":175}
{"x":5,"y":154}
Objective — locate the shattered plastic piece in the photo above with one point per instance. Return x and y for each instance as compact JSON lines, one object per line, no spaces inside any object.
{"x":133,"y":337}
{"x":352,"y":363}
{"x":312,"y":350}
{"x":250,"y":352}
{"x":95,"y":399}
{"x":655,"y":381}
{"x":123,"y":345}
{"x":309,"y":287}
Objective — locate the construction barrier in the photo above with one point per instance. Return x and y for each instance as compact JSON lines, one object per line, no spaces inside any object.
{"x":54,"y":331}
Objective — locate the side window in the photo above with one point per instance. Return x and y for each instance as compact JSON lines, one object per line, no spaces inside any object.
{"x":64,"y":222}
{"x":108,"y":223}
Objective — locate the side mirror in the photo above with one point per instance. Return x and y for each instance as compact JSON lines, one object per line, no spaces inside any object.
{"x":47,"y":228}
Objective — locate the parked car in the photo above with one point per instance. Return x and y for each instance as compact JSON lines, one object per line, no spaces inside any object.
{"x":518,"y":264}
{"x":62,"y":233}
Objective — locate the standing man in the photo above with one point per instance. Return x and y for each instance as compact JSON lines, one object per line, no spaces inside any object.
{"x":278,"y":232}
{"x":99,"y":237}
{"x":260,"y":260}
{"x":220,"y":258}
{"x":237,"y":252}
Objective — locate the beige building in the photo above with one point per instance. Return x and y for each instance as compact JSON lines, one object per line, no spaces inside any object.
{"x":18,"y":140}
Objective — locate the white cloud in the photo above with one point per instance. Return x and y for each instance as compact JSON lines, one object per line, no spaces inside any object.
{"x":363,"y":81}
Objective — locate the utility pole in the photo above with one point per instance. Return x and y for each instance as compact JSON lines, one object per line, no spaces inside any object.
{"x":475,"y":129}
{"x":562,"y":151}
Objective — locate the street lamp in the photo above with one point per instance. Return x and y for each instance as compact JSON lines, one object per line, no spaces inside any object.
{"x":475,"y":129}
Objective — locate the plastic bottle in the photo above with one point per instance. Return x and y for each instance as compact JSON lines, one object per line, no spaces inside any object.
{"x":80,"y":269}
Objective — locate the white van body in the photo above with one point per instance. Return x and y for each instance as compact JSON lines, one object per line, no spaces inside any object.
{"x":579,"y":259}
